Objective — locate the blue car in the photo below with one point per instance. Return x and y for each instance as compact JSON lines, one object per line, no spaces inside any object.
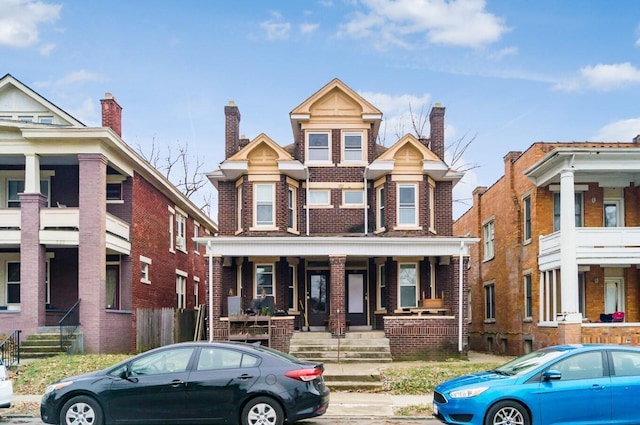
{"x":566,"y":384}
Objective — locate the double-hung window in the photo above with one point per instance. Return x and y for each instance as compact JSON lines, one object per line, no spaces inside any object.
{"x":264,"y":280}
{"x":352,"y":146}
{"x":490,"y":301}
{"x":382,"y":285}
{"x":292,"y":202}
{"x":556,"y":210}
{"x":15,"y":187}
{"x":318,"y":146}
{"x":292,"y":293}
{"x":181,"y":231}
{"x":408,"y":285}
{"x":13,"y":282}
{"x":407,"y":205}
{"x":488,"y":235}
{"x":380,"y":208}
{"x":264,"y":195}
{"x":181,"y":289}
{"x":528,"y":299}
{"x":526,"y":207}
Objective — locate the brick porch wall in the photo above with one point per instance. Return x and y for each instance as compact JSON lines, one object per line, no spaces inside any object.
{"x":422,"y":338}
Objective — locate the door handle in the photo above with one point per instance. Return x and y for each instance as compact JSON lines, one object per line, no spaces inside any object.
{"x":245,"y":376}
{"x":176,"y":383}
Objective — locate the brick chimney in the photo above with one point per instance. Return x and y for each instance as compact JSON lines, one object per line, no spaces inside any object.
{"x":111,"y":113}
{"x":232,"y":129}
{"x":436,"y":122}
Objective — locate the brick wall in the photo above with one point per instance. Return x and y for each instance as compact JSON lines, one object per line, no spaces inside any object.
{"x":422,"y":338}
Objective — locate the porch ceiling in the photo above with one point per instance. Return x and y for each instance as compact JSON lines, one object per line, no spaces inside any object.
{"x":324,"y":246}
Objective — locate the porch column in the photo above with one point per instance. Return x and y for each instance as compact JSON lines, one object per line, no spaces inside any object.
{"x":92,"y":261}
{"x":33,"y":288}
{"x":215,"y":325}
{"x":568,"y":266}
{"x":337,"y":318}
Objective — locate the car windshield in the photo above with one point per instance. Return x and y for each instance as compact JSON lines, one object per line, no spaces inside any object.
{"x":528,"y":362}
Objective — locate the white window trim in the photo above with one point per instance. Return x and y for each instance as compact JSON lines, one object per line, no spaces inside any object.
{"x":273,"y":280}
{"x":320,"y":205}
{"x":619,"y":203}
{"x":294,"y":285}
{"x":239,"y":207}
{"x":416,"y":207}
{"x":524,"y":294}
{"x":526,"y":199}
{"x":172,"y":219}
{"x":358,"y":205}
{"x":417,"y":284}
{"x":272,"y":225}
{"x":306,"y":147}
{"x":380,"y":206}
{"x":488,"y":319}
{"x":488,"y":241}
{"x":381,"y":275}
{"x":292,"y":208}
{"x":196,"y":233}
{"x":181,"y":230}
{"x":343,"y":148}
{"x":181,"y":292}
{"x":196,"y":291}
{"x":145,"y":261}
{"x":432,"y":206}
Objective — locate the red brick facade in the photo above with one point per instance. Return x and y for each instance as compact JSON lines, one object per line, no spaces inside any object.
{"x":512,"y":331}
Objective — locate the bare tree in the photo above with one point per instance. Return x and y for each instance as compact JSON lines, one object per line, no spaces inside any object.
{"x":178,"y":167}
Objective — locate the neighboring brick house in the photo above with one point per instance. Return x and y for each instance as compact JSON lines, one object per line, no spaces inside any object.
{"x":343,"y":233}
{"x":84,"y":218}
{"x":558,"y":259}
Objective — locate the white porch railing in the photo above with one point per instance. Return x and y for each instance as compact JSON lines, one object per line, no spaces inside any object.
{"x":10,"y":218}
{"x":594,"y":245}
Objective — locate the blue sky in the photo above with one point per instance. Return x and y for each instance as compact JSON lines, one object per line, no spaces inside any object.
{"x":509,"y":72}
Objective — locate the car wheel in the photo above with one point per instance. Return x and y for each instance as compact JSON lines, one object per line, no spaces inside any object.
{"x":507,"y":413}
{"x":262,"y":411}
{"x":81,"y":410}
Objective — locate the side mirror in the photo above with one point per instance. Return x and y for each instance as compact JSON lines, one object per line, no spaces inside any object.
{"x":128,"y":375}
{"x":552,"y":375}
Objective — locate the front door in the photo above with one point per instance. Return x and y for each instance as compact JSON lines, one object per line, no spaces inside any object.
{"x":356,"y":298}
{"x":318,"y":297}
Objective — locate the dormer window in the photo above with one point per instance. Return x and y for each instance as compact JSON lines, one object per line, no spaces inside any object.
{"x":318,"y":147}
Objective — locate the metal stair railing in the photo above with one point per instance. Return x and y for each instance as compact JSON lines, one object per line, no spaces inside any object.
{"x":10,"y":349}
{"x":68,"y":325}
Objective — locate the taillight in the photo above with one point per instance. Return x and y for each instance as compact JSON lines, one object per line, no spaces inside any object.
{"x":305,"y":375}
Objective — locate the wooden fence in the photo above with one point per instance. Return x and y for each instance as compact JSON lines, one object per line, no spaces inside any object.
{"x":162,"y":326}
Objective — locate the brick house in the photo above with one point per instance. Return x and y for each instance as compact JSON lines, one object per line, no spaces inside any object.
{"x":343,"y":233}
{"x":85,"y":219}
{"x":558,"y":258}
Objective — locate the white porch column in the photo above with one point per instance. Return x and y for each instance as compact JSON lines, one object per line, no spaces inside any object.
{"x":568,"y":266}
{"x":31,"y":173}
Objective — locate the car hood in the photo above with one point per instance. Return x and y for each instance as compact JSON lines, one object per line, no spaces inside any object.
{"x":82,"y":376}
{"x":476,"y":379}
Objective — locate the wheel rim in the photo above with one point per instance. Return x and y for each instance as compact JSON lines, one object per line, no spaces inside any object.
{"x":508,"y":416}
{"x":80,"y":414}
{"x":261,"y":414}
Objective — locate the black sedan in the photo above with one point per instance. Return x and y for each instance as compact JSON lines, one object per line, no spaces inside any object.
{"x":195,"y":382}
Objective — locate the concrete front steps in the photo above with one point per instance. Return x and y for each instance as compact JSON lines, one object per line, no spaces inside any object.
{"x":363,"y":347}
{"x":342,"y":357}
{"x":41,"y":345}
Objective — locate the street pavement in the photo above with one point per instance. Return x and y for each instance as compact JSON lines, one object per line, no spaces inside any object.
{"x":343,"y":404}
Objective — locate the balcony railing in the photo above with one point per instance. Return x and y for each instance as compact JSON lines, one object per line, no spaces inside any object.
{"x":596,"y":245}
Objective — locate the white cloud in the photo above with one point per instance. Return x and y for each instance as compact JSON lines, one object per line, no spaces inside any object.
{"x":463,"y":23}
{"x":602,"y":77}
{"x":46,"y":49}
{"x":619,"y":131}
{"x":276,"y":28}
{"x":396,"y":113}
{"x":20,"y":21}
{"x":70,"y":80}
{"x":308,"y":28}
{"x":507,"y":51}
{"x":86,"y":112}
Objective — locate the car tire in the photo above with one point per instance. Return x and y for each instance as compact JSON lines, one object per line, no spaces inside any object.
{"x":262,"y":411}
{"x":81,"y":410}
{"x":507,"y":411}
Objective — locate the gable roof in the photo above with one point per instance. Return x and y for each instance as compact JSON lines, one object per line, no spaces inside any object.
{"x":260,"y":155}
{"x":335,"y":99}
{"x":409,"y":155}
{"x":17,"y":96}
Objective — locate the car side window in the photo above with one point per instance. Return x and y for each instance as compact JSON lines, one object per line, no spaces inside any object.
{"x":626,"y":363}
{"x":581,"y":366}
{"x":221,"y":358}
{"x":165,"y":361}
